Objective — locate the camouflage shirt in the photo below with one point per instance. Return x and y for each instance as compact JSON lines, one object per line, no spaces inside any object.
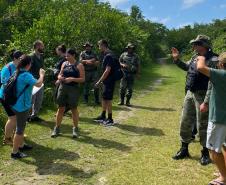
{"x":131,"y":60}
{"x":85,"y":55}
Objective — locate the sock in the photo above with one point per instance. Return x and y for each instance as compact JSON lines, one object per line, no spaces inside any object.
{"x":103,"y":114}
{"x":110,"y":116}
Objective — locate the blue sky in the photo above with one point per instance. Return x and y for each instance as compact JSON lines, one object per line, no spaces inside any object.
{"x":176,"y":13}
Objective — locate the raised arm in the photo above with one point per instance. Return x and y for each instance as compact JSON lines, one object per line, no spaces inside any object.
{"x":177,"y":61}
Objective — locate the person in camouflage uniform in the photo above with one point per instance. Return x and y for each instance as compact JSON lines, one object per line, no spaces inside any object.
{"x":89,"y":59}
{"x":195,"y":107}
{"x":130,"y":64}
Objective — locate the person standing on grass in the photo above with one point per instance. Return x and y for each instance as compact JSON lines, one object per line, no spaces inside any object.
{"x":89,"y":59}
{"x":37,"y":64}
{"x":195,"y":107}
{"x":108,"y":81}
{"x":72,"y":73}
{"x":216,"y":133}
{"x":6,"y":73}
{"x":24,"y":84}
{"x":130,"y":65}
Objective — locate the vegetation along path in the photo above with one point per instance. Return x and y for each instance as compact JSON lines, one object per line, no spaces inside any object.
{"x":136,"y":151}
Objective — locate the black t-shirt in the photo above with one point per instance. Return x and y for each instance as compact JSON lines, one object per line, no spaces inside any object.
{"x":70,"y":70}
{"x":108,"y":61}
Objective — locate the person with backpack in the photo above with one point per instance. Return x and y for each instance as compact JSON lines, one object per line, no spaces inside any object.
{"x":108,"y":80}
{"x":6,"y":72}
{"x":130,"y":64}
{"x":22,"y":81}
{"x":71,"y":75}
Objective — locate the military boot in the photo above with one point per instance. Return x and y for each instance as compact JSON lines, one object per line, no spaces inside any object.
{"x":122,"y":99}
{"x":182,"y":153}
{"x":128,"y":102}
{"x":205,"y":157}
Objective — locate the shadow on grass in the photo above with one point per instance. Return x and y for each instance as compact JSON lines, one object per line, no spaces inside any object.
{"x":141,"y":130}
{"x":153,"y":108}
{"x":100,"y":143}
{"x":52,"y":162}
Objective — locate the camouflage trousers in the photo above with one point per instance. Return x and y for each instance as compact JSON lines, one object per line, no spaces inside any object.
{"x":91,"y":77}
{"x":191,"y":114}
{"x":126,"y":85}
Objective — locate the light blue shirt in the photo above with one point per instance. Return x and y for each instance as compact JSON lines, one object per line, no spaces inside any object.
{"x":6,"y":72}
{"x":24,"y":101}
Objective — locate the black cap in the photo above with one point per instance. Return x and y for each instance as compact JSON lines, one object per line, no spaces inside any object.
{"x":17,"y":54}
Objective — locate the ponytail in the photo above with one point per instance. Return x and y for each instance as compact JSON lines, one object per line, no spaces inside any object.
{"x":24,"y":61}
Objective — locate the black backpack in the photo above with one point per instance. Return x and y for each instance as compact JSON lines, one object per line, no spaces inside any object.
{"x":10,"y":92}
{"x":117,"y":73}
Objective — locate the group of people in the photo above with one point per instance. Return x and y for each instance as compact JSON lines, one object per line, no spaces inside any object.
{"x":204,"y":105}
{"x":70,"y":71}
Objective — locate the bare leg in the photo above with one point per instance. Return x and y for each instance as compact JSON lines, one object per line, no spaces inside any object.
{"x":59,"y":116}
{"x":219,"y":160}
{"x":17,"y":142}
{"x":10,"y":126}
{"x":75,"y":117}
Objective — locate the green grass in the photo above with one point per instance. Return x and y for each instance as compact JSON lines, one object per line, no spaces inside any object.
{"x":137,"y":151}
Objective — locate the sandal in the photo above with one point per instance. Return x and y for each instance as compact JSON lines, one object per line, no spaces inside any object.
{"x":216,"y":182}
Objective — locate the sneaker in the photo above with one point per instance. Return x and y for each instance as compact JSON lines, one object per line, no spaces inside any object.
{"x":75,"y":132}
{"x":25,"y":147}
{"x":8,"y":141}
{"x":56,"y":132}
{"x":182,"y":154}
{"x":99,"y":119}
{"x":18,"y":155}
{"x":205,"y":158}
{"x":108,"y":122}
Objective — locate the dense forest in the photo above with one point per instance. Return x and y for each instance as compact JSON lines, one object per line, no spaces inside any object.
{"x":74,"y":22}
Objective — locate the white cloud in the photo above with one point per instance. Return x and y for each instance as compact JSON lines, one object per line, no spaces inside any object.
{"x":160,"y":20}
{"x":223,"y":6}
{"x":184,"y":24}
{"x":190,"y":3}
{"x":114,"y":3}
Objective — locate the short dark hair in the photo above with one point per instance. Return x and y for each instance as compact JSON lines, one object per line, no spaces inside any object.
{"x":72,"y":51}
{"x":103,"y":42}
{"x":62,"y":48}
{"x":37,"y":43}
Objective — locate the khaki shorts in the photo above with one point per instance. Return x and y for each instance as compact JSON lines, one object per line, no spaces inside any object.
{"x":68,"y":96}
{"x":216,"y":137}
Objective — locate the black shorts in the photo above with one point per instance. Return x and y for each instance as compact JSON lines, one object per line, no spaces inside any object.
{"x":108,"y":90}
{"x":8,"y":109}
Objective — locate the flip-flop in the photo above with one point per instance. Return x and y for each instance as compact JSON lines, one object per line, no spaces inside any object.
{"x":216,"y":182}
